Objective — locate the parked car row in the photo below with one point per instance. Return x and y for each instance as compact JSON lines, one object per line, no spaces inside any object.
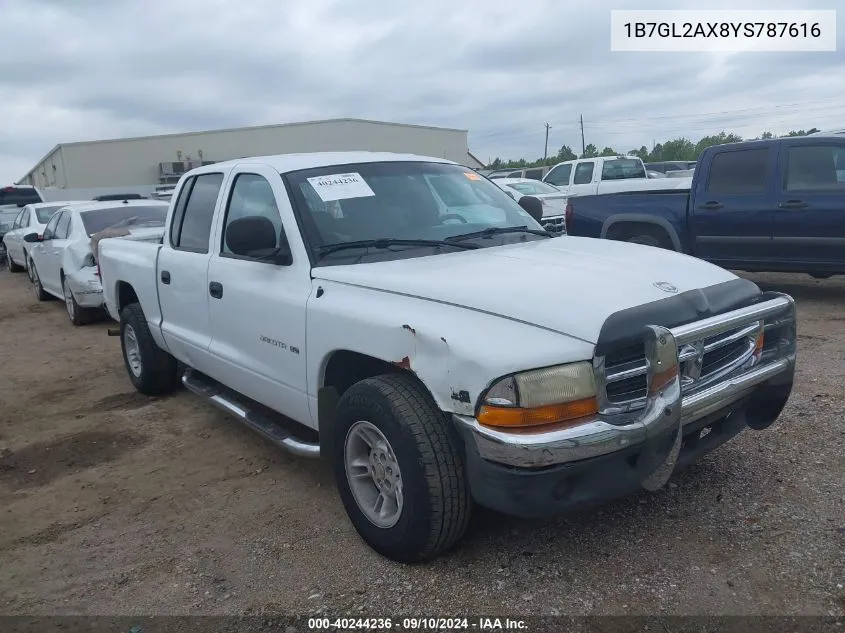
{"x":55,"y":243}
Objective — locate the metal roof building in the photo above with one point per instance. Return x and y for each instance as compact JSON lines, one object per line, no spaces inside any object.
{"x":159,"y":160}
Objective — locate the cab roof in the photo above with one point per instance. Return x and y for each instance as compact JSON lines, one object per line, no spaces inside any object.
{"x":284,"y":163}
{"x":116,"y":204}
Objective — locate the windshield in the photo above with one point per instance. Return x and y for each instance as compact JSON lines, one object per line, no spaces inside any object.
{"x":401,"y":200}
{"x":622,"y":168}
{"x":128,"y":216}
{"x":533,"y":188}
{"x":45,"y":213}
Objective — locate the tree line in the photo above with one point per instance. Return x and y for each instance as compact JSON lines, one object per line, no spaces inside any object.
{"x":676,"y":149}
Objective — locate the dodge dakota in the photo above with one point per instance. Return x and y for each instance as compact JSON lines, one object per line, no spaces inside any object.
{"x":769,"y":205}
{"x":439,"y":356}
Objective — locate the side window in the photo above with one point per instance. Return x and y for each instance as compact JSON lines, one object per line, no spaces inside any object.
{"x":50,"y":229}
{"x":815,"y":168}
{"x":196,"y":219}
{"x":25,"y":218}
{"x":18,"y":223}
{"x":534,"y":174}
{"x":251,"y":195}
{"x":179,"y":211}
{"x":583,"y":174}
{"x":559,"y":175}
{"x":738,"y":172}
{"x":63,"y":227}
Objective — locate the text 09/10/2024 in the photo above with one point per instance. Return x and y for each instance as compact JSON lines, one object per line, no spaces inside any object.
{"x":723,"y":31}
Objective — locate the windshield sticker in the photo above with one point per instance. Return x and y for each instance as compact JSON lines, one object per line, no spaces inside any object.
{"x":472,"y":175}
{"x":341,"y":187}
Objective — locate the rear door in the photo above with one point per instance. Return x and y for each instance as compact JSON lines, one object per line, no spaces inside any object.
{"x":13,"y":240}
{"x":257,"y":307}
{"x":182,"y":274}
{"x":731,"y":221}
{"x":809,"y":220}
{"x":56,"y":248}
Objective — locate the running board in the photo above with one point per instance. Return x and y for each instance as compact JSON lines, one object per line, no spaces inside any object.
{"x":257,"y":421}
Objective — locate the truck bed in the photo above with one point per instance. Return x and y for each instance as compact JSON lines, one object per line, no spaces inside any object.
{"x":135,"y":263}
{"x":595,"y":216}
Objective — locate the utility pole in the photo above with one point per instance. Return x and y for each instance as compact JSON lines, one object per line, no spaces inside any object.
{"x":546,"y":151}
{"x":583,"y":145}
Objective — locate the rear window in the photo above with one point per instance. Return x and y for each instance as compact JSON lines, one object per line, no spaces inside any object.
{"x":101,"y":219}
{"x":45,"y":213}
{"x":622,"y":169}
{"x":19,"y":195}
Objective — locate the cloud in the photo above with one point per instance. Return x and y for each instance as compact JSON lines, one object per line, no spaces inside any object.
{"x":104,"y":69}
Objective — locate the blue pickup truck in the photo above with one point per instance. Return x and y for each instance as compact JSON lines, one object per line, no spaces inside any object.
{"x":769,"y":205}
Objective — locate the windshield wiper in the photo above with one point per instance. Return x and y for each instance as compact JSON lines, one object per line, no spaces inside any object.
{"x":494,"y":230}
{"x":385,"y":242}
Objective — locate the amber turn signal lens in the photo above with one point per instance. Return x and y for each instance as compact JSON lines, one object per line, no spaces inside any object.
{"x":663,"y":378}
{"x":515,"y":417}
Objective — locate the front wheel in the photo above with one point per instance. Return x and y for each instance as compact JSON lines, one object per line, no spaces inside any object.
{"x":399,"y":469}
{"x":151,"y":369}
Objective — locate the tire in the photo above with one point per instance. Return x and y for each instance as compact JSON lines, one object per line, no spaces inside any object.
{"x":648,"y":237}
{"x":36,"y":282}
{"x":436,"y":501}
{"x":77,"y":315}
{"x":13,"y":267}
{"x":151,"y":369}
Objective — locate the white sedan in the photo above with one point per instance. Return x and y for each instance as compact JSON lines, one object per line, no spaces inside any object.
{"x":553,"y":199}
{"x":62,"y":261}
{"x":32,"y":218}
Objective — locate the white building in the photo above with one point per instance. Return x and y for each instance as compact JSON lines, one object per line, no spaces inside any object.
{"x":158,"y":160}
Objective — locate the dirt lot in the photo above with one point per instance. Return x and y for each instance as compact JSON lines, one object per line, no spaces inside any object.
{"x":114,"y":503}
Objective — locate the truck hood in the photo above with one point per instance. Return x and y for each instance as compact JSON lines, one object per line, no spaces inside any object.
{"x":567,"y":284}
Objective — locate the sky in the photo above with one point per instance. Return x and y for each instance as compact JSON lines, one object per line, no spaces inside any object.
{"x":75,"y":70}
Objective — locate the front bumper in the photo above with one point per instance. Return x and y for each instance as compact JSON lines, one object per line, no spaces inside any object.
{"x":547,"y":471}
{"x":86,"y":287}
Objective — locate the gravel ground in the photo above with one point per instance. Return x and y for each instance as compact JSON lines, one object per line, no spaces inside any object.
{"x":115,"y":503}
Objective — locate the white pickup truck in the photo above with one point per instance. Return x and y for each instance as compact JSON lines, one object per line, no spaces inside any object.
{"x":439,"y":355}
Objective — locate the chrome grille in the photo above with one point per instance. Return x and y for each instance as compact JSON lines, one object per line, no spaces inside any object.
{"x":701,"y":363}
{"x":556,"y":225}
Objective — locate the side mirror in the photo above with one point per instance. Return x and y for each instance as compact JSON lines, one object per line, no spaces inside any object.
{"x":32,"y":237}
{"x":255,"y":237}
{"x":533,"y":205}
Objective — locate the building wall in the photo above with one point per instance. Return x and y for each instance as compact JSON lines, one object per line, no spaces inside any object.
{"x":136,"y":161}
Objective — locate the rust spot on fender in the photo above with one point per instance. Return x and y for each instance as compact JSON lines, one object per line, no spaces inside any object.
{"x":405,"y":363}
{"x":409,"y":328}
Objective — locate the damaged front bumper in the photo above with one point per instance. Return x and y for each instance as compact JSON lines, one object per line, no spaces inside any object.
{"x":548,"y":472}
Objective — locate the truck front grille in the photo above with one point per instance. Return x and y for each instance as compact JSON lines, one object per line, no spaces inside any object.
{"x":701,"y":363}
{"x":555,"y":225}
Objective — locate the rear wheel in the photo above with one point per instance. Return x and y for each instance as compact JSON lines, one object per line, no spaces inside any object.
{"x":76,"y":314}
{"x":37,"y":288}
{"x":151,"y":369}
{"x":399,"y":469}
{"x":13,"y":267}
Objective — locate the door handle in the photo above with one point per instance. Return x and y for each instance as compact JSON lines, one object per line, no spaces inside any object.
{"x":793,"y":204}
{"x":165,"y":276}
{"x":711,"y":205}
{"x":215,"y":289}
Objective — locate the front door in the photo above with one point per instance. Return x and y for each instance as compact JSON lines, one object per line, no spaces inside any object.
{"x":182,"y":272}
{"x":809,"y":221}
{"x":732,"y":218}
{"x":257,"y":307}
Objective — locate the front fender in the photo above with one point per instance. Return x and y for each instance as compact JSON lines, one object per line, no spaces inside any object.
{"x":456,"y":352}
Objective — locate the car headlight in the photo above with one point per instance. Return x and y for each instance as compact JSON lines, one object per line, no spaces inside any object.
{"x":552,"y":395}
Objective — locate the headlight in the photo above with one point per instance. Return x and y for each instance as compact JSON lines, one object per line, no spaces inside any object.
{"x":541,"y":396}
